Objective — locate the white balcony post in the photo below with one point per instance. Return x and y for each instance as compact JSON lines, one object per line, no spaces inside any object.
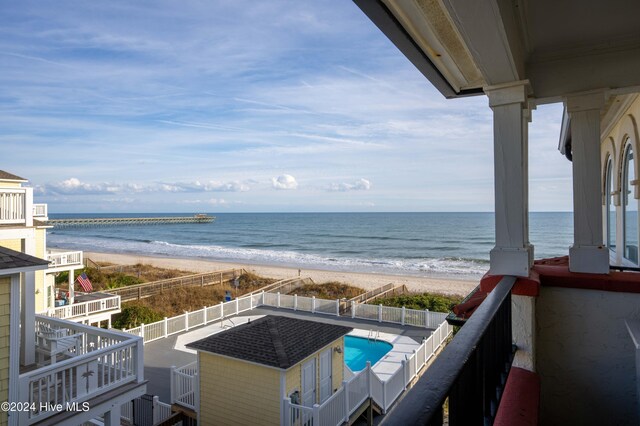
{"x":27,"y":313}
{"x":237,"y":306}
{"x":404,"y":313}
{"x":28,"y":206}
{"x":380,"y":312}
{"x":338,"y":307}
{"x":426,"y":318}
{"x":345,"y":392}
{"x":142,"y":331}
{"x":588,"y":253}
{"x":186,"y":320}
{"x":295,"y":302}
{"x":172,"y":383}
{"x":313,"y":304}
{"x":72,"y":292}
{"x":353,"y":309}
{"x":278,"y":300}
{"x":316,"y":414}
{"x":221,"y":309}
{"x":512,"y":254}
{"x":165,"y":327}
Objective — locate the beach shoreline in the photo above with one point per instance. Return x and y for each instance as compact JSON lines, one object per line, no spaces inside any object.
{"x":365,"y":280}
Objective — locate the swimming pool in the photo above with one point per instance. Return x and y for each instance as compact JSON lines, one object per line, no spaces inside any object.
{"x":358,"y":350}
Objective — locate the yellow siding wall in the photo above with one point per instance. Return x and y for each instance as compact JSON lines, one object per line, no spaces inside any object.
{"x":294,"y":374}
{"x":12,"y":244}
{"x":5,"y":297}
{"x":233,"y":392}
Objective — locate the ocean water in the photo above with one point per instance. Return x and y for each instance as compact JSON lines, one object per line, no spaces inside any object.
{"x":452,"y":245}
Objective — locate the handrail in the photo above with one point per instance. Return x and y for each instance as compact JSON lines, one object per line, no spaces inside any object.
{"x":423,"y":405}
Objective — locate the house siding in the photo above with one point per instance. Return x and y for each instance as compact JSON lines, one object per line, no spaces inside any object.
{"x":233,"y":392}
{"x":5,"y":298}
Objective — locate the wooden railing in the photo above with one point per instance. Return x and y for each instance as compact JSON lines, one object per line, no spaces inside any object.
{"x":85,"y":309}
{"x":101,"y":361}
{"x":470,"y":371}
{"x":140,"y":291}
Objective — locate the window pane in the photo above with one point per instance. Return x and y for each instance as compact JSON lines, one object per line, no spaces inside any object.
{"x":630,"y":211}
{"x":611,"y":208}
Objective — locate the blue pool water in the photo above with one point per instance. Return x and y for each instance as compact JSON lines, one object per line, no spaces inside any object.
{"x":357,"y":351}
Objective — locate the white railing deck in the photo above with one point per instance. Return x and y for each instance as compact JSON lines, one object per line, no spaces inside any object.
{"x":40,"y":210}
{"x":86,"y":309}
{"x":62,"y":260}
{"x":13,"y":206}
{"x":100,"y":362}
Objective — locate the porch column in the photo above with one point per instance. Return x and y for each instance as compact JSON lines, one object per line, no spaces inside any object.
{"x":28,"y":309}
{"x":588,"y":253}
{"x":72,"y":281}
{"x":512,"y":254}
{"x":112,"y":417}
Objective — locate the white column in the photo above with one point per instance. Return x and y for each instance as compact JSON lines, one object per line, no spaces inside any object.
{"x":512,"y":254}
{"x":588,"y":253}
{"x":28,"y":308}
{"x":72,"y":283}
{"x":28,"y":207}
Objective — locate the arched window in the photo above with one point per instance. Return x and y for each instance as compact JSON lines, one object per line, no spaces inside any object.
{"x":630,"y":208}
{"x":611,"y":208}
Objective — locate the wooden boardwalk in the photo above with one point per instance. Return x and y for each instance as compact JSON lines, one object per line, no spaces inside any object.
{"x":129,"y":221}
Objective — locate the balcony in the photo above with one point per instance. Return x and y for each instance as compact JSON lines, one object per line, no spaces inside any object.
{"x":94,"y":366}
{"x":88,"y":306}
{"x":64,"y":261}
{"x":13,"y":206}
{"x":40,"y":211}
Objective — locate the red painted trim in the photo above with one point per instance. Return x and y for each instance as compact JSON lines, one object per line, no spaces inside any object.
{"x":523,"y":287}
{"x":555,"y":273}
{"x":520,"y":403}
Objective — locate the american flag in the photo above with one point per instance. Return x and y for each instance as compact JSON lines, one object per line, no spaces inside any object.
{"x":84,"y":282}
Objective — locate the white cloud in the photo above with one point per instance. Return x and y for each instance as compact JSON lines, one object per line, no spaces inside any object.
{"x":74,"y":186}
{"x":284,"y":182}
{"x":359,"y":185}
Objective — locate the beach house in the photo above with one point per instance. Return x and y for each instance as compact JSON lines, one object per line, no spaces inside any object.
{"x":247,"y":370}
{"x":93,"y":308}
{"x":52,"y":370}
{"x":573,"y":321}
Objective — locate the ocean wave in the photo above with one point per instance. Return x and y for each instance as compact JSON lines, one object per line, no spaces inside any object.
{"x":444,"y":266}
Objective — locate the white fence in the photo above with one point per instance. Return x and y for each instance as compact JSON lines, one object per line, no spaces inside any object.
{"x":206,"y":315}
{"x":366,"y":384}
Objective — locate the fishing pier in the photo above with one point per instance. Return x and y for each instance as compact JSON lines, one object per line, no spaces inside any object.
{"x":129,"y":221}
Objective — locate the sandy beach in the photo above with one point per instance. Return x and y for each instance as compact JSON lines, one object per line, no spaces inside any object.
{"x":363,"y":280}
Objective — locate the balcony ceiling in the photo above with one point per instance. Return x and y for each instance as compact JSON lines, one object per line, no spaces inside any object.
{"x":561,"y":47}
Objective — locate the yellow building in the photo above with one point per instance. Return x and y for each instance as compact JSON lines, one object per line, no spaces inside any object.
{"x":246,"y":372}
{"x":51,"y":370}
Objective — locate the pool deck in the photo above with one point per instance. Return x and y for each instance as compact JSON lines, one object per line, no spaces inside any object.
{"x":161,"y":354}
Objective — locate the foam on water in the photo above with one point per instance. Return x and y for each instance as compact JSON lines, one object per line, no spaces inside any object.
{"x":427,"y":244}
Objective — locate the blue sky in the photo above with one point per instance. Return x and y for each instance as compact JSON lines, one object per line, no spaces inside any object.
{"x":165,"y":106}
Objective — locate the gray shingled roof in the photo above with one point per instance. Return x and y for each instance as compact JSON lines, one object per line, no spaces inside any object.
{"x":11,"y":259}
{"x":272,"y":340}
{"x":9,"y":176}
